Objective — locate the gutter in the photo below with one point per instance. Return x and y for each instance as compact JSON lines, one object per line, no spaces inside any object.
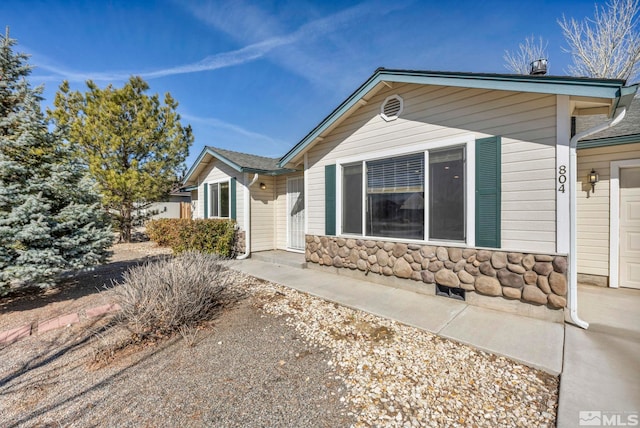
{"x":572,"y":302}
{"x":247,"y":217}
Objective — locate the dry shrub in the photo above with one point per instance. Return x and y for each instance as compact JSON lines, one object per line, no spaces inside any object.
{"x":160,"y":298}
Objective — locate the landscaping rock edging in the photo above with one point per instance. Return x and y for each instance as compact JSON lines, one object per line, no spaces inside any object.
{"x":8,"y":337}
{"x":538,"y":279}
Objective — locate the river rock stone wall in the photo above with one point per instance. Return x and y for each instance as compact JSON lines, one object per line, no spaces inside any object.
{"x":239,"y":243}
{"x":533,"y":278}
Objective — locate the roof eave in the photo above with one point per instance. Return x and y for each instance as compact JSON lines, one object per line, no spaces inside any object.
{"x":609,"y":141}
{"x":601,"y":88}
{"x":210,"y":151}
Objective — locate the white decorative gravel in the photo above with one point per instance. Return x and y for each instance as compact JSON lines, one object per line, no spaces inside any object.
{"x":401,"y":376}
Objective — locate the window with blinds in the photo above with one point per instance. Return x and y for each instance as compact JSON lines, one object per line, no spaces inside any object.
{"x":395,"y":197}
{"x":396,"y":175}
{"x":391,"y":196}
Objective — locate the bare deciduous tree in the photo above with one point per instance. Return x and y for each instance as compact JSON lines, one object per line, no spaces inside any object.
{"x":520,"y":62}
{"x":607,"y":46}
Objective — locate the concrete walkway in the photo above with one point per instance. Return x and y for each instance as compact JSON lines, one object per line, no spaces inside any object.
{"x":602,"y":364}
{"x":533,"y":342}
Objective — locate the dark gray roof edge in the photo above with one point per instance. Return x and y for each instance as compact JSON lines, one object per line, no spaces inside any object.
{"x":609,"y":141}
{"x":502,"y":76}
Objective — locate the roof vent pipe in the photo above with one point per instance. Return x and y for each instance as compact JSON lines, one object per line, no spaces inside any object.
{"x":538,"y":67}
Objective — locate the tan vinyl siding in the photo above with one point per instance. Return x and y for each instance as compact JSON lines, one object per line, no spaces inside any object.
{"x":593,"y":208}
{"x":526,"y":123}
{"x":263,"y":222}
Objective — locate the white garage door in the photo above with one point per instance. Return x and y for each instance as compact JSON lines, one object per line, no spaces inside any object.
{"x":630,"y":227}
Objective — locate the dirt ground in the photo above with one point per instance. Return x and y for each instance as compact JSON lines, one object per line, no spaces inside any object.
{"x":82,"y":291}
{"x":244,"y":369}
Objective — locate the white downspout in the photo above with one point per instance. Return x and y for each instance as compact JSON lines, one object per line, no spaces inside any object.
{"x":247,"y":217}
{"x":572,"y":302}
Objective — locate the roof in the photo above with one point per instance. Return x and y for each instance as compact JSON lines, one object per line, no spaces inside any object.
{"x":627,"y":131}
{"x":241,"y":162}
{"x":246,"y":161}
{"x":612,"y":89}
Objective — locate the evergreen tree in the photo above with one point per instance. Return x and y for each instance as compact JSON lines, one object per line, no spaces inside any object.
{"x":50,"y":219}
{"x":132,"y":144}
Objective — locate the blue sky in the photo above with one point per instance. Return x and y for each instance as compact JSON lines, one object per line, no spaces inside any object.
{"x":258,"y":76}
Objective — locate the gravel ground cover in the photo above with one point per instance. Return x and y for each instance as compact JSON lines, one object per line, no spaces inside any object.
{"x":401,"y":376}
{"x":277,"y":358}
{"x":247,"y":370}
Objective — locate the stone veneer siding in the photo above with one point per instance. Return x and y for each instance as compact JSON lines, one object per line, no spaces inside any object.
{"x":532,"y":278}
{"x":239,"y":244}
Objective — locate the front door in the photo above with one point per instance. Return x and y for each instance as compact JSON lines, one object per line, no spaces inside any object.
{"x":630,"y":227}
{"x":295,"y":213}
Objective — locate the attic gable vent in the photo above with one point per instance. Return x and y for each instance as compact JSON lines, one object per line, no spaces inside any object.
{"x":391,"y":108}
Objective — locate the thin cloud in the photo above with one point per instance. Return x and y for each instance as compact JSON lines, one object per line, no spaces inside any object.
{"x":220,"y":124}
{"x":218,"y":61}
{"x":314,"y":62}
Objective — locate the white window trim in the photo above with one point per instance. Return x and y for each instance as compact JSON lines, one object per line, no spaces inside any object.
{"x":209,"y":199}
{"x":614,"y":218}
{"x":467,"y":140}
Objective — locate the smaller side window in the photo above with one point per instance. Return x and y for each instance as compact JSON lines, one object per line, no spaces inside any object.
{"x":219,"y":199}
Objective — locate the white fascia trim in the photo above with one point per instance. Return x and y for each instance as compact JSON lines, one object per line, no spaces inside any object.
{"x":467,"y":140}
{"x":563,"y":199}
{"x":614,"y":218}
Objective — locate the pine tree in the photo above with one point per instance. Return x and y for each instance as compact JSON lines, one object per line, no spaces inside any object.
{"x":50,"y":219}
{"x":132,"y":144}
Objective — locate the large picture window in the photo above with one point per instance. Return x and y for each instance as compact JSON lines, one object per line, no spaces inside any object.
{"x":395,"y":197}
{"x":219,"y":199}
{"x":398,"y":195}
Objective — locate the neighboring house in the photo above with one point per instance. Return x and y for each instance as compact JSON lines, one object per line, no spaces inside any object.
{"x":609,"y":214}
{"x":177,"y":205}
{"x":454,"y":183}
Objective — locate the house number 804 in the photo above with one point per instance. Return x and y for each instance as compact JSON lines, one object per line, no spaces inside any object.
{"x":562,"y":177}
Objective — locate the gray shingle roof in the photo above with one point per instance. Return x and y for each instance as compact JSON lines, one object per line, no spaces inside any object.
{"x":249,"y":162}
{"x":629,"y":126}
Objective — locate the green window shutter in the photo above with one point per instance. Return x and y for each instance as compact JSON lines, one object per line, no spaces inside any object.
{"x":206,"y":200}
{"x":330,"y":199}
{"x":488,"y":192}
{"x":232,"y":198}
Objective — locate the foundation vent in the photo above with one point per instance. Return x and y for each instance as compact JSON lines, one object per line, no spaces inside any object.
{"x":391,"y":108}
{"x":452,"y":293}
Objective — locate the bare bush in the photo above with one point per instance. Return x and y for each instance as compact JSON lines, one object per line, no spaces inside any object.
{"x":160,"y":298}
{"x":608,"y":45}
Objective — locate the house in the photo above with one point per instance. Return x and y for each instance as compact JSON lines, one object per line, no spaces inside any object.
{"x":451,"y":183}
{"x":609,"y":211}
{"x":176,"y":205}
{"x":219,"y":181}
